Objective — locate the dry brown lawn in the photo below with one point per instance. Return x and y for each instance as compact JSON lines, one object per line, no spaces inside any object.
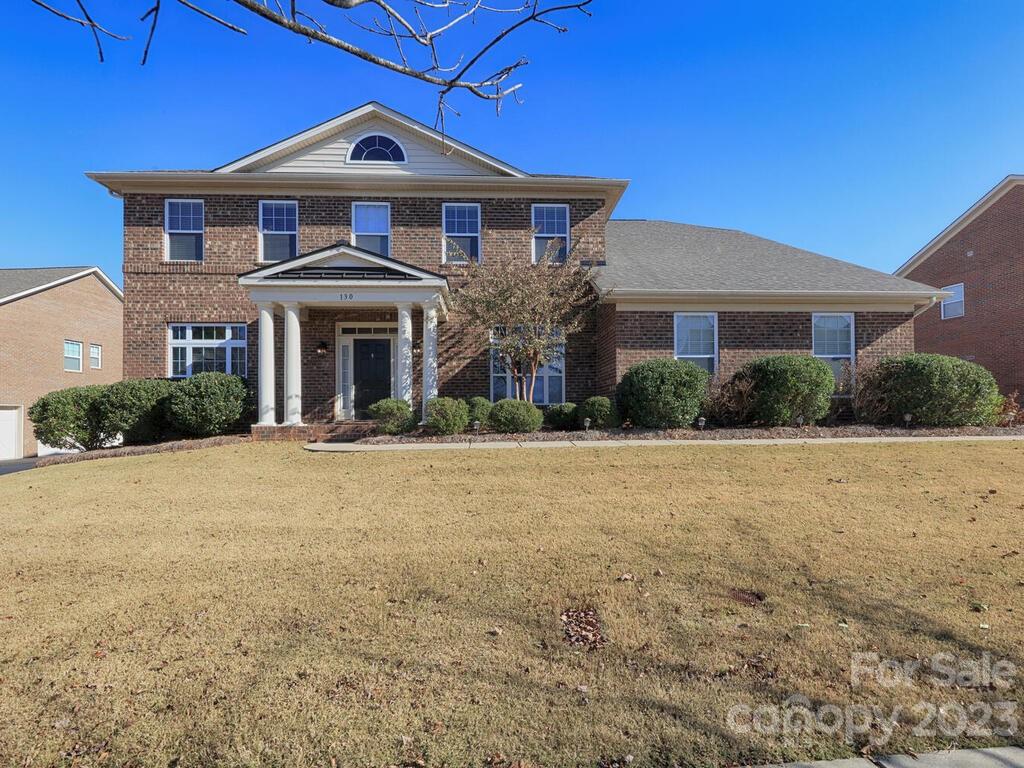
{"x":261,"y":605}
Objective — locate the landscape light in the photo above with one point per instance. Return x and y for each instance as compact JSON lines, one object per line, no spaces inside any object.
{"x":701,"y":422}
{"x":906,"y":419}
{"x":586,"y":424}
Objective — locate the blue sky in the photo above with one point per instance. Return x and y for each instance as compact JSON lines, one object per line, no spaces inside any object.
{"x":858,"y":128}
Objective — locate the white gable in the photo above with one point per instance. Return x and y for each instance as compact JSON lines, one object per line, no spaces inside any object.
{"x":325,"y":149}
{"x":331,"y":156}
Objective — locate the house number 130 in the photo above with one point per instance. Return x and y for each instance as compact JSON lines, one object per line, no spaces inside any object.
{"x":347,"y":296}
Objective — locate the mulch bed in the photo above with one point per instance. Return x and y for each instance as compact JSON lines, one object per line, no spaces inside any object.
{"x":732,"y":433}
{"x":143,"y":450}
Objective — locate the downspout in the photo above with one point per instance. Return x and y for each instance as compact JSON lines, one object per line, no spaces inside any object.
{"x":926,"y":307}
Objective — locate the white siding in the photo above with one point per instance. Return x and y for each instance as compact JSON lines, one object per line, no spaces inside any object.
{"x":423,"y":158}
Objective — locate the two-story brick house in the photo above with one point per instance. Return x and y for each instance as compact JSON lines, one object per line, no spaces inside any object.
{"x":320,"y":267}
{"x":979,"y":262}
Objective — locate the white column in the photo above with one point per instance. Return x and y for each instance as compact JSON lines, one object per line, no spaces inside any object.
{"x":292,"y":366}
{"x":403,"y":369}
{"x":429,"y":354}
{"x":267,"y":395}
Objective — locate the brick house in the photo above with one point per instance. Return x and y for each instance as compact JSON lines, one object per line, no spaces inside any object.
{"x":979,"y":262}
{"x":322,"y":267}
{"x":59,"y":327}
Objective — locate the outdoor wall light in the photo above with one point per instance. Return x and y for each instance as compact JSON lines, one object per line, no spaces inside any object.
{"x":321,"y":349}
{"x":701,"y":422}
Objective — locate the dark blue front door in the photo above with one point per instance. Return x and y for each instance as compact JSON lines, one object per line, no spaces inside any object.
{"x":371,"y":373}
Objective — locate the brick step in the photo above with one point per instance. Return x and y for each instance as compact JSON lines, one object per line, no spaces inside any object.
{"x":335,"y":432}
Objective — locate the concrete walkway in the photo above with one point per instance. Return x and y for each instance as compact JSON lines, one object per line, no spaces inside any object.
{"x":997,"y":757}
{"x":638,"y":443}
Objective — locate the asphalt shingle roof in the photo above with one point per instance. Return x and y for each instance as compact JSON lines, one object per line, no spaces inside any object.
{"x":663,"y":255}
{"x":14,"y":281}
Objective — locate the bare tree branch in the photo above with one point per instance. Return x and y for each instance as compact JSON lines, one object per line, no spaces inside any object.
{"x":404,"y":22}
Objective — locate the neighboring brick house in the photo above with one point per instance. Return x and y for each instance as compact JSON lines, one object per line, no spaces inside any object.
{"x":59,"y":327}
{"x":978,"y":260}
{"x":321,"y":268}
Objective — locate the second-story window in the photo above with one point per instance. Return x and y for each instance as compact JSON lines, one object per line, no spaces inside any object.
{"x":279,"y":229}
{"x":551,"y":233}
{"x":183,"y":224}
{"x":461,"y":232}
{"x":371,"y":227}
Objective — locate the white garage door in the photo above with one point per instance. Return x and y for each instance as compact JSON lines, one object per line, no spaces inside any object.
{"x":10,"y":432}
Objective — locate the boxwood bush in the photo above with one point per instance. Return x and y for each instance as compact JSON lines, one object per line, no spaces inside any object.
{"x":479,"y":408}
{"x":447,"y":416}
{"x":783,"y":388}
{"x":69,"y":419}
{"x":393,"y":416}
{"x":936,"y":390}
{"x":561,"y":417}
{"x":137,"y":409}
{"x":511,"y":416}
{"x":601,"y":412}
{"x":207,"y":404}
{"x":662,"y":393}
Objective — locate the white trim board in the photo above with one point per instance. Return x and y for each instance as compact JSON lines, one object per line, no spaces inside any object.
{"x":107,"y":282}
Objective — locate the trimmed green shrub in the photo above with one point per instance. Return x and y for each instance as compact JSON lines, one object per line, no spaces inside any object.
{"x":601,"y":412}
{"x":561,"y":417}
{"x":936,"y":390}
{"x":479,"y":408}
{"x":393,"y":416}
{"x":511,"y":416}
{"x":662,"y":394}
{"x":207,"y":404}
{"x":69,"y":419}
{"x":784,"y":387}
{"x":447,"y":416}
{"x":137,"y":409}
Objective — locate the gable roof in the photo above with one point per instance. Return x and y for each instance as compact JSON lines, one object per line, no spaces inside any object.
{"x":18,"y":283}
{"x":333,"y":126}
{"x":682,"y":260}
{"x":962,"y":221}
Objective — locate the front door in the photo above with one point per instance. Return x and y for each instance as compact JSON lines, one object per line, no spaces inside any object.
{"x":371,"y":373}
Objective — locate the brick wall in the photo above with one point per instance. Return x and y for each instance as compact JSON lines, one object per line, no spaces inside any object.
{"x":32,"y":334}
{"x":158,"y":293}
{"x":743,"y":336}
{"x":987,"y":256}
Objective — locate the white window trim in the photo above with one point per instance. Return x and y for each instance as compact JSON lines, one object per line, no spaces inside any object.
{"x":81,"y":351}
{"x":675,"y":337}
{"x":167,"y":232}
{"x":479,"y":232}
{"x":99,"y":366}
{"x":853,"y":338}
{"x":509,"y":382}
{"x":962,"y":300}
{"x":261,"y":232}
{"x":344,"y":403}
{"x":568,"y":226}
{"x":189,"y":343}
{"x":352,"y":237}
{"x":360,"y":137}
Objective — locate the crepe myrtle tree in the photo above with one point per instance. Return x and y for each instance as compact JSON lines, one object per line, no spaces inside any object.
{"x":527,"y":309}
{"x":447,"y":44}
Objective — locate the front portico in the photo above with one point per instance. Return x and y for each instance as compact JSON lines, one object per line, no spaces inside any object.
{"x":359,"y":307}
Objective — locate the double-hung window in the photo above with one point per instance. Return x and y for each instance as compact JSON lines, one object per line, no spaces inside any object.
{"x":202,"y":347}
{"x":279,"y":229}
{"x":73,"y":356}
{"x":95,"y":356}
{"x":954,"y":305}
{"x":371,"y":227}
{"x":183,"y":225}
{"x":548,"y":389}
{"x":550,"y":233}
{"x":461,"y":232}
{"x":696,"y":338}
{"x":832,"y":341}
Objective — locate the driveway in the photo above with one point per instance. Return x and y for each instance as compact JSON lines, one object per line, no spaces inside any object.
{"x":11,"y":466}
